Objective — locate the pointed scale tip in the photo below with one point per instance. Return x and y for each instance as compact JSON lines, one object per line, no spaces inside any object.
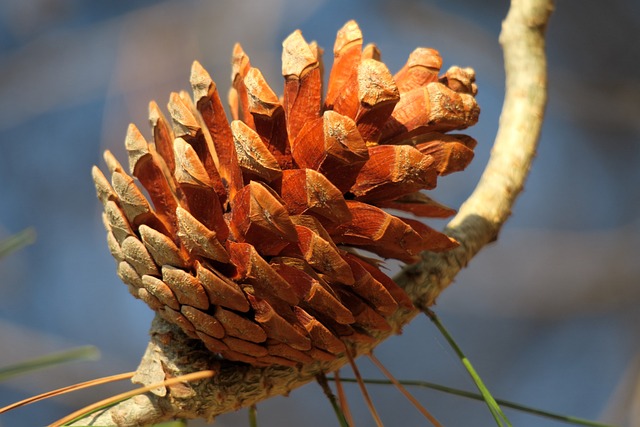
{"x":201,"y":82}
{"x":136,"y":146}
{"x":297,"y":56}
{"x":349,"y":34}
{"x":184,"y":122}
{"x":262,"y":99}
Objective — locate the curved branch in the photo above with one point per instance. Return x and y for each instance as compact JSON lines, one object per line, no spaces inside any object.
{"x":171,"y":353}
{"x":481,"y":217}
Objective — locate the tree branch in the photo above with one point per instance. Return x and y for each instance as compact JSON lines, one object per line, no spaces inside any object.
{"x":481,"y":217}
{"x":171,"y":353}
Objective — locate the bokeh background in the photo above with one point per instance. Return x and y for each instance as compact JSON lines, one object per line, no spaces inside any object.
{"x":549,"y":314}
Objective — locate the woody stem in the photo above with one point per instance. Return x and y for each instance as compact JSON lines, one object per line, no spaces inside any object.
{"x":483,"y":214}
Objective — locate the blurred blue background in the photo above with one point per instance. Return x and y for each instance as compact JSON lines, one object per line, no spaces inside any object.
{"x":549,"y":314}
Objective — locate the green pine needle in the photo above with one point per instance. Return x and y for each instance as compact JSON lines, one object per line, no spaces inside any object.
{"x":494,"y":408}
{"x":322,"y":380}
{"x":17,"y":241}
{"x":476,"y":396}
{"x":253,"y":416}
{"x":88,"y":352}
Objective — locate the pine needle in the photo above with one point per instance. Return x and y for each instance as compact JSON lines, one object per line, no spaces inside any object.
{"x":495,"y":410}
{"x":476,"y":396}
{"x":404,"y":391}
{"x":17,"y":241}
{"x":88,"y":352}
{"x":342,"y":397}
{"x":253,"y":416}
{"x":322,"y":380}
{"x":194,"y":376}
{"x":67,"y":389}
{"x":363,"y":389}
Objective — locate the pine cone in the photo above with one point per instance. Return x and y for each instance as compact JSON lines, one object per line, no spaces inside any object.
{"x":251,"y":244}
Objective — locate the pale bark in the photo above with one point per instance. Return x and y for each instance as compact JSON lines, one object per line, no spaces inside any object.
{"x":480,"y":218}
{"x":171,"y":353}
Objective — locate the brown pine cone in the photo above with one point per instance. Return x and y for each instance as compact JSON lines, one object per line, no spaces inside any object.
{"x":251,"y":241}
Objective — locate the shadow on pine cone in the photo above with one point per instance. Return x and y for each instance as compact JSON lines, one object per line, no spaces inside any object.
{"x":251,"y":244}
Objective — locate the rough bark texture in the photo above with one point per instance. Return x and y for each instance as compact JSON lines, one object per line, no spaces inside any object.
{"x":171,"y":352}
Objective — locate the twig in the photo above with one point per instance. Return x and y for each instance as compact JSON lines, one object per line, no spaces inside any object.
{"x":481,"y":217}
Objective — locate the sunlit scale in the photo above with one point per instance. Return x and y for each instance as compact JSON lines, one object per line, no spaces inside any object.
{"x":251,"y":241}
